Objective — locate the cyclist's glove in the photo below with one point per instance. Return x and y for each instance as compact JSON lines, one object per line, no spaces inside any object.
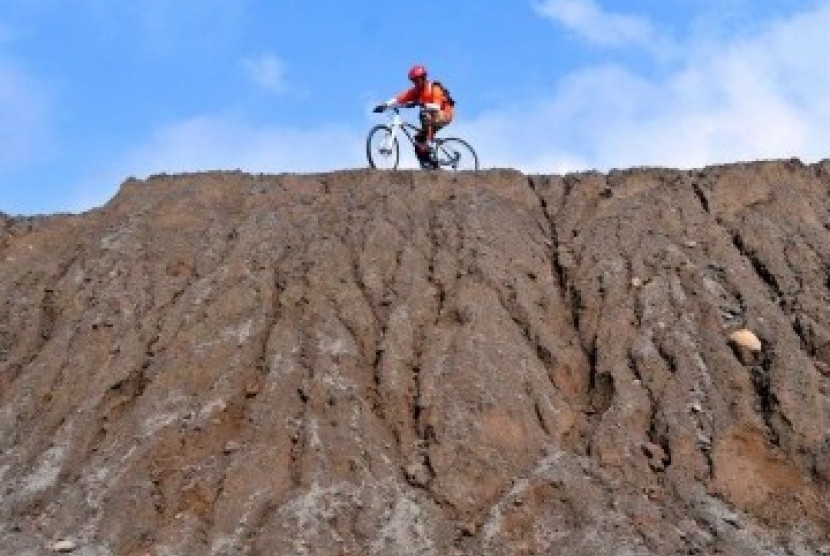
{"x":379,"y":108}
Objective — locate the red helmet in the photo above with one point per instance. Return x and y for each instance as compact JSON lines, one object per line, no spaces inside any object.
{"x":417,"y":71}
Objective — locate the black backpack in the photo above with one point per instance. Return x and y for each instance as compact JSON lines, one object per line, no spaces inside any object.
{"x":450,"y":100}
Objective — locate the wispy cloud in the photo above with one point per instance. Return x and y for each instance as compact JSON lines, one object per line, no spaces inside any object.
{"x":754,"y":97}
{"x":589,"y":21}
{"x":267,"y":71}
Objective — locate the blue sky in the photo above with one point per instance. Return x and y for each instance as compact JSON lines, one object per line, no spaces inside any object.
{"x":95,"y":91}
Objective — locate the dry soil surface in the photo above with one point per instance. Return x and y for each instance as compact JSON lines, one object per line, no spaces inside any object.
{"x":378,"y":363}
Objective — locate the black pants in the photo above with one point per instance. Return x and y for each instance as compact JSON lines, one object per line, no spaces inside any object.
{"x":430,"y":124}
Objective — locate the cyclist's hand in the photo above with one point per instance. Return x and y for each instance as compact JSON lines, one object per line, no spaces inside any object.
{"x":379,"y":108}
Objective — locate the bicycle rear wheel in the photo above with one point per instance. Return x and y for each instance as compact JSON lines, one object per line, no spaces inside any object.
{"x":382,"y":149}
{"x":453,"y":153}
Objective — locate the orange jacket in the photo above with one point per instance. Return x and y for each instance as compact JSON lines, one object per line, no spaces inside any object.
{"x":428,"y":95}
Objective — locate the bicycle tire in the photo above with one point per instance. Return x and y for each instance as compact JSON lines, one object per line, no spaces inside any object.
{"x":380,"y":153}
{"x":455,"y":154}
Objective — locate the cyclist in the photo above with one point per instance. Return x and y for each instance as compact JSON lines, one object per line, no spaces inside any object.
{"x":436,"y":110}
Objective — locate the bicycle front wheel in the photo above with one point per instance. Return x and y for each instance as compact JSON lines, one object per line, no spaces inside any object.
{"x":382,"y":148}
{"x":455,"y":154}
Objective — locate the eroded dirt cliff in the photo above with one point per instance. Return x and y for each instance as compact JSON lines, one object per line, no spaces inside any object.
{"x":370,"y":363}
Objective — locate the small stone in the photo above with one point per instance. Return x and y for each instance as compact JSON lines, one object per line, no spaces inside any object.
{"x":747,"y":339}
{"x":696,"y":408}
{"x":636,"y":282}
{"x":468,"y":528}
{"x":653,"y":492}
{"x":417,"y":474}
{"x":252,"y":389}
{"x":690,"y":244}
{"x":732,"y":520}
{"x":65,"y":546}
{"x":746,"y":346}
{"x":657,"y":457}
{"x":232,"y":447}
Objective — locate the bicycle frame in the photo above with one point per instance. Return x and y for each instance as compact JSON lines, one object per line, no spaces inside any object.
{"x":399,"y":124}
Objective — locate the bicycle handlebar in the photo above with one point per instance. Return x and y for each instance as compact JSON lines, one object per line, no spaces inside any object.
{"x":397,"y":109}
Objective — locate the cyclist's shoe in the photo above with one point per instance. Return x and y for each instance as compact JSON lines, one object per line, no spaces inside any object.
{"x":426,"y":161}
{"x":425,"y":150}
{"x":426,"y":155}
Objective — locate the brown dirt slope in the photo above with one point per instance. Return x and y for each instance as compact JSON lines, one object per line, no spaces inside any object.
{"x":370,"y":363}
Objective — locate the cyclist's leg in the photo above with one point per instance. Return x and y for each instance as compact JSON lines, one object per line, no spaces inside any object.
{"x":421,"y":138}
{"x":432,"y":123}
{"x":438,"y":125}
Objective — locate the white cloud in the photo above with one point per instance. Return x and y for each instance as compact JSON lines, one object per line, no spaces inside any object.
{"x":755,"y":97}
{"x":267,"y":71}
{"x":207,"y":143}
{"x":591,"y":22}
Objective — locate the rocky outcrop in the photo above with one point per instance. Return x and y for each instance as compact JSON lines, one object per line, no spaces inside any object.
{"x":372,"y":363}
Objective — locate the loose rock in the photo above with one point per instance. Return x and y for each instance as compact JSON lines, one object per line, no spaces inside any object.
{"x":657,"y":456}
{"x":747,"y":339}
{"x":65,"y":546}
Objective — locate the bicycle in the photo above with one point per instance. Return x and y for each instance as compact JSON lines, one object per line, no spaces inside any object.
{"x":383,"y":149}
